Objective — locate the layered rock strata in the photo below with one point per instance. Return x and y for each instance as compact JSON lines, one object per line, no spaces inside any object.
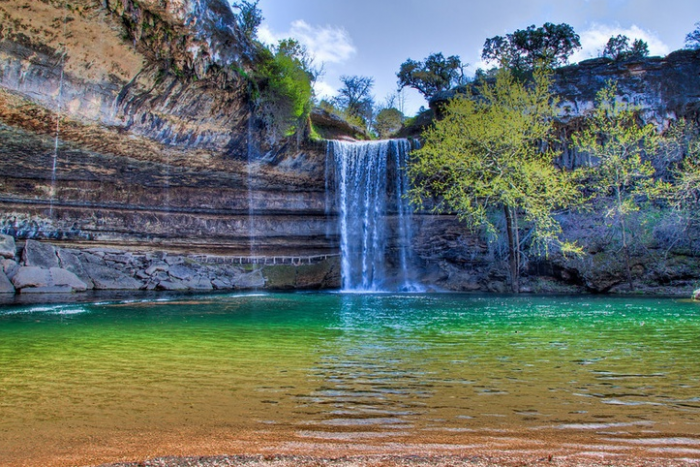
{"x":128,"y":126}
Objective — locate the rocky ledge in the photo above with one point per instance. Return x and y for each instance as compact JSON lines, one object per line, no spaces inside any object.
{"x":39,"y":267}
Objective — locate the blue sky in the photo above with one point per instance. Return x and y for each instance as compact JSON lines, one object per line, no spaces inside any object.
{"x":373,"y":37}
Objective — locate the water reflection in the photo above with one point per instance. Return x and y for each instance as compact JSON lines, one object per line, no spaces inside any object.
{"x":362,"y":369}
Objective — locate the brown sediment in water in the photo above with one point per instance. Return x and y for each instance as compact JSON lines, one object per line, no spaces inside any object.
{"x":400,"y":461}
{"x":280,"y":448}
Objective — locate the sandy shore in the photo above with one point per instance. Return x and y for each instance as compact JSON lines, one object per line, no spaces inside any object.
{"x":404,"y":461}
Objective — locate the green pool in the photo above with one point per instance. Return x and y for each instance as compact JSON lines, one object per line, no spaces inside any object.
{"x":256,"y":373}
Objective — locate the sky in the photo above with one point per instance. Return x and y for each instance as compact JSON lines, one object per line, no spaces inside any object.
{"x":374,"y":37}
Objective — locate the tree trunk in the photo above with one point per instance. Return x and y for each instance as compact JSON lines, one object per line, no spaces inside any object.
{"x":625,"y":247}
{"x":513,"y":249}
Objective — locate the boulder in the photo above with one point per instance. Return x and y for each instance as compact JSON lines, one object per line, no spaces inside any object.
{"x":71,"y":260}
{"x":32,"y":276}
{"x":182,"y":272}
{"x":41,"y":280}
{"x":200,"y":284}
{"x":251,"y":280}
{"x":106,"y":278}
{"x":219,"y":284}
{"x":40,"y":255}
{"x":63,"y":277}
{"x":8,"y":248}
{"x":157,"y":268}
{"x":9,"y":267}
{"x":5,"y":284}
{"x":173,"y":285}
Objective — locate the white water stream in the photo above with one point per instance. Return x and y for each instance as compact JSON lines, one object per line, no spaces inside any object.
{"x":374,"y":215}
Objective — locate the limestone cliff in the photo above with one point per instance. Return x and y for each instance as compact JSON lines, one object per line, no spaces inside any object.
{"x":129,"y":124}
{"x":664,"y":88}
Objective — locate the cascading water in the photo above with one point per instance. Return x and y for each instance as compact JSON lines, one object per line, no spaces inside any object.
{"x":374,"y":215}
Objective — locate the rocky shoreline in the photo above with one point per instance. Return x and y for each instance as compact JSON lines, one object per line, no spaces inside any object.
{"x":34,"y":271}
{"x":42,"y":268}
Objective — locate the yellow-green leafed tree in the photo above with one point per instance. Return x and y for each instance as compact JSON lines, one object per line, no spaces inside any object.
{"x":685,"y":192}
{"x":493,"y":154}
{"x":619,"y":142}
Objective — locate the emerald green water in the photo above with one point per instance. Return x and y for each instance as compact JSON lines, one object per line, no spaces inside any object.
{"x":383,"y":372}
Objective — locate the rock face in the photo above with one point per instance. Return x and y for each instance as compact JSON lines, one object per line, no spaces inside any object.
{"x":664,"y":88}
{"x":151,"y":134}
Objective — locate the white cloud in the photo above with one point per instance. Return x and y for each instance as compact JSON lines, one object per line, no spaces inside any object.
{"x":326,"y":44}
{"x":594,"y":39}
{"x":266,"y":36}
{"x":324,"y":90}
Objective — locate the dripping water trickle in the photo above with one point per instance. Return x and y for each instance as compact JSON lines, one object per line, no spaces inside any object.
{"x":59,"y":110}
{"x":250,"y":175}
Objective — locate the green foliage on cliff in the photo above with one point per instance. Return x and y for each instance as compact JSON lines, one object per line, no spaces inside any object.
{"x":682,"y":141}
{"x":622,"y":174}
{"x":492,"y":154}
{"x":284,"y":78}
{"x":388,"y":121}
{"x":355,"y":98}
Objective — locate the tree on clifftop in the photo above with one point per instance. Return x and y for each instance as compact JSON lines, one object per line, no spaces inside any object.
{"x":548,"y":46}
{"x":433,"y":75}
{"x":692,"y":40}
{"x":619,"y":48}
{"x":355,"y":97}
{"x":249,"y":17}
{"x":491,"y":155}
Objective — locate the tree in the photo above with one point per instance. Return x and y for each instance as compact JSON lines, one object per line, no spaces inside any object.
{"x":284,"y":80}
{"x":249,"y":17}
{"x":692,"y":40}
{"x":615,"y":136}
{"x":388,"y":121}
{"x":682,"y":141}
{"x":490,"y":155}
{"x":433,"y":75}
{"x":548,"y":46}
{"x":618,"y":48}
{"x":355,"y":97}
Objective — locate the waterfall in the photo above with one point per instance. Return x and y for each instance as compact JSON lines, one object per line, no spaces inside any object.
{"x":374,"y":215}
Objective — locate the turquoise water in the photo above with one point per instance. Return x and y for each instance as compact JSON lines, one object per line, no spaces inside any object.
{"x":369,"y":370}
